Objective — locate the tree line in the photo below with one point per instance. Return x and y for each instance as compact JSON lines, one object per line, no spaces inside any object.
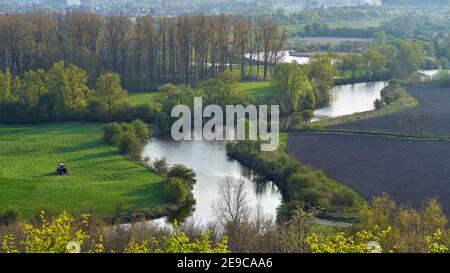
{"x":144,"y":51}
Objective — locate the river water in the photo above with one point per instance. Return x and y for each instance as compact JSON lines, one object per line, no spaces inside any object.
{"x":209,"y":161}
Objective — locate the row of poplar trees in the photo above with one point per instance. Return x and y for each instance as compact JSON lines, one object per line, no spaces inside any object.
{"x":144,"y":51}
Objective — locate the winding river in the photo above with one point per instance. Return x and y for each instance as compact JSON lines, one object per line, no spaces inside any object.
{"x":209,"y":161}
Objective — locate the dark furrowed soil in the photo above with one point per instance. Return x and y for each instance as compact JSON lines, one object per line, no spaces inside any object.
{"x":410,"y":171}
{"x":430,"y":117}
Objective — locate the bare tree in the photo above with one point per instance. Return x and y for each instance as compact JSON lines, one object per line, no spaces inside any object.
{"x":232,"y":207}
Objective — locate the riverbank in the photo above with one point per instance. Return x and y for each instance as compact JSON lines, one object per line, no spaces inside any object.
{"x":301,"y":185}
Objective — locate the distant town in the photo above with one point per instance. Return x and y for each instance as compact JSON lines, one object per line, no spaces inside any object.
{"x":174,"y":7}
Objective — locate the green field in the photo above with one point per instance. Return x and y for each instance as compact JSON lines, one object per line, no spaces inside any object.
{"x":100,"y":177}
{"x":256,"y":89}
{"x":151,"y":98}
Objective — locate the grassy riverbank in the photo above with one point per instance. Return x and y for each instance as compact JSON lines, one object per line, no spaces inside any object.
{"x":100,"y":177}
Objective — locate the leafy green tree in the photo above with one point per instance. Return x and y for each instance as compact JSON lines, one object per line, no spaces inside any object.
{"x":57,"y":87}
{"x":77,"y":90}
{"x":321,"y":72}
{"x":374,"y":61}
{"x":224,"y":90}
{"x":354,"y":63}
{"x":5,"y":85}
{"x":290,"y":83}
{"x":109,"y":90}
{"x":33,"y":86}
{"x":410,"y":56}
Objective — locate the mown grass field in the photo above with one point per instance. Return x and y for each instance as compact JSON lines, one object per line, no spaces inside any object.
{"x":254,"y":89}
{"x":100,"y":177}
{"x":152,"y":98}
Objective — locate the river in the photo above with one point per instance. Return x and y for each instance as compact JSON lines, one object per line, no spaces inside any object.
{"x":209,"y":161}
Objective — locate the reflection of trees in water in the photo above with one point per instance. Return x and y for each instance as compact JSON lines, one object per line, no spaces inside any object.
{"x":415,"y":123}
{"x":261,"y":184}
{"x":182,"y":214}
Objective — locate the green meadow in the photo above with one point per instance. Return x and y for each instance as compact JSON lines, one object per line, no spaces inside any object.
{"x":99,"y":179}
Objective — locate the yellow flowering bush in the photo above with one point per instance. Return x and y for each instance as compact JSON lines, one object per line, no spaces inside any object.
{"x":178,"y":242}
{"x":362,"y":242}
{"x":435,"y":244}
{"x":57,"y":236}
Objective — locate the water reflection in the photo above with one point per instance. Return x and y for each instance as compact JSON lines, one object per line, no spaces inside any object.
{"x":209,"y":161}
{"x":351,"y":98}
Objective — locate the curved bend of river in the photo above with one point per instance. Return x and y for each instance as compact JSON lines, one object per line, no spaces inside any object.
{"x":209,"y":160}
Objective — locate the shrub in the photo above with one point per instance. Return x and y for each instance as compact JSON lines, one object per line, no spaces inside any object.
{"x":177,"y":190}
{"x":343,"y":198}
{"x":141,"y":129}
{"x":160,"y":166}
{"x":113,"y":133}
{"x":182,"y":172}
{"x":131,"y":146}
{"x":378,"y":104}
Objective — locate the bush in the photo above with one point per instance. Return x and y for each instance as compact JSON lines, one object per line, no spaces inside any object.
{"x":160,"y":166}
{"x":378,"y":104}
{"x":131,"y":146}
{"x":182,"y":172}
{"x":343,"y":198}
{"x":113,"y":133}
{"x":141,"y":129}
{"x":177,"y":190}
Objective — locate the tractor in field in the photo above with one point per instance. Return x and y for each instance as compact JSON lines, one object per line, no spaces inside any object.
{"x":61,"y":170}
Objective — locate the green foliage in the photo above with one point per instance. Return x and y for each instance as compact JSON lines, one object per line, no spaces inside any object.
{"x":178,"y":190}
{"x":109,"y":91}
{"x":321,"y":73}
{"x":128,"y":137}
{"x":181,"y":171}
{"x":304,"y":186}
{"x":413,"y":230}
{"x":291,"y":85}
{"x":141,"y":129}
{"x":178,"y":242}
{"x":224,"y":90}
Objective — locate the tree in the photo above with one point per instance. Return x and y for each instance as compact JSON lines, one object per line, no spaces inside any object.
{"x":5,"y":85}
{"x":354,"y":63}
{"x":290,"y":83}
{"x":321,"y":72}
{"x":77,"y":90}
{"x":410,"y":56}
{"x":34,"y":86}
{"x":109,"y":90}
{"x":374,"y":61}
